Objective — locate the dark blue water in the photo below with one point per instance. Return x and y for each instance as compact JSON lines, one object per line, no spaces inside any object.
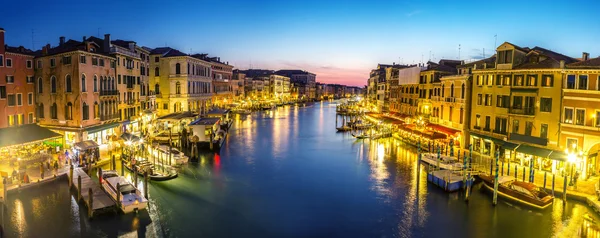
{"x":287,"y":173}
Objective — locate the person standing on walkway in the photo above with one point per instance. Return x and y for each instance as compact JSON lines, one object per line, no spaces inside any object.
{"x":42,"y":171}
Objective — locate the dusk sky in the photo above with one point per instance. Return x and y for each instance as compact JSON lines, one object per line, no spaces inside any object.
{"x":340,"y":41}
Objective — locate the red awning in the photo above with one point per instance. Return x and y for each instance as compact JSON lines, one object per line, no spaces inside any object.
{"x":442,"y":129}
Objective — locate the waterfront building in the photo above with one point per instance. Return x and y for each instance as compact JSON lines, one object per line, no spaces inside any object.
{"x":305,"y":81}
{"x":430,"y":87}
{"x":221,"y":74}
{"x":17,"y":97}
{"x":76,"y":91}
{"x":516,"y":104}
{"x":579,"y":134}
{"x":238,"y":84}
{"x":181,"y":82}
{"x":319,"y":91}
{"x":256,"y":85}
{"x":131,"y":71}
{"x":279,"y":87}
{"x":406,"y":94}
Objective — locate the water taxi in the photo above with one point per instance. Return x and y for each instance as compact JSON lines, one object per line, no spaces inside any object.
{"x":524,"y":193}
{"x":123,"y":192}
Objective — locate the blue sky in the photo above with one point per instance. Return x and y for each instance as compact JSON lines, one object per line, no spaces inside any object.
{"x":339,"y":40}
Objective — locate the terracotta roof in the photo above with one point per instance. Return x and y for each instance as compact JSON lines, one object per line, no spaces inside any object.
{"x":548,"y":63}
{"x":19,"y":50}
{"x":122,"y":43}
{"x":555,"y":55}
{"x":174,"y":53}
{"x":591,"y":64}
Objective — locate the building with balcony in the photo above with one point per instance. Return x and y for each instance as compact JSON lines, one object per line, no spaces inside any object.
{"x":238,"y":84}
{"x":430,"y":87}
{"x":221,"y":74}
{"x":406,"y":93}
{"x":181,"y":82}
{"x":76,"y":91}
{"x":580,"y":121}
{"x":304,"y":81}
{"x":17,"y":96}
{"x":515,"y":106}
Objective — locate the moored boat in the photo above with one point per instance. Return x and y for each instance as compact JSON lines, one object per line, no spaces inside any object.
{"x":242,"y":111}
{"x":123,"y":192}
{"x":343,"y":128}
{"x":361,"y":136}
{"x":448,"y":180}
{"x":445,"y":162}
{"x":153,"y":173}
{"x":524,"y":193}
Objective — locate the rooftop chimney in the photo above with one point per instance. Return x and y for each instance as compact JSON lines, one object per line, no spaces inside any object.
{"x":585,"y":56}
{"x":61,"y":41}
{"x":84,"y":39}
{"x":45,"y":49}
{"x":132,"y":46}
{"x":562,"y":64}
{"x":106,"y":43}
{"x":2,"y":41}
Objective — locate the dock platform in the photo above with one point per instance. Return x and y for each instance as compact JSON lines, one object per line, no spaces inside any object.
{"x":100,"y":199}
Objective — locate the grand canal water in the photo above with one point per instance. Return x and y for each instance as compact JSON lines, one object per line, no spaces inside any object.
{"x":287,"y":173}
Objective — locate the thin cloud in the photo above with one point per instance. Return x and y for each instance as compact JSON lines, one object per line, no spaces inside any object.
{"x":410,"y":14}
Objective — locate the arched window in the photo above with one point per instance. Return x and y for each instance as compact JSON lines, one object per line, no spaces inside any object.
{"x":86,"y":111}
{"x":178,"y":88}
{"x":188,"y":68}
{"x":53,"y":84}
{"x":462,"y":91}
{"x":40,"y":85}
{"x":452,"y":90}
{"x":177,"y":68}
{"x":69,"y":111}
{"x":156,"y":89}
{"x":95,"y":84}
{"x":83,"y":88}
{"x":40,"y":110}
{"x":156,"y":72}
{"x":96,"y":110}
{"x":53,"y":111}
{"x":442,"y":89}
{"x":68,"y":83}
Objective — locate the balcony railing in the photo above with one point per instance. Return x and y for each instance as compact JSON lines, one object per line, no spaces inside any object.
{"x":109,"y":93}
{"x":529,"y":139}
{"x":529,"y":111}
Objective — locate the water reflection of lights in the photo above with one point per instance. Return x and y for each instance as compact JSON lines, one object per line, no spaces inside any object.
{"x":18,"y":217}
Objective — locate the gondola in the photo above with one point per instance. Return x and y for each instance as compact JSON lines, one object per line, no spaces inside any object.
{"x":154,"y":174}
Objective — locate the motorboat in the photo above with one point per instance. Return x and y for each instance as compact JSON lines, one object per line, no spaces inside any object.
{"x":524,"y":193}
{"x":123,"y":192}
{"x":444,"y":161}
